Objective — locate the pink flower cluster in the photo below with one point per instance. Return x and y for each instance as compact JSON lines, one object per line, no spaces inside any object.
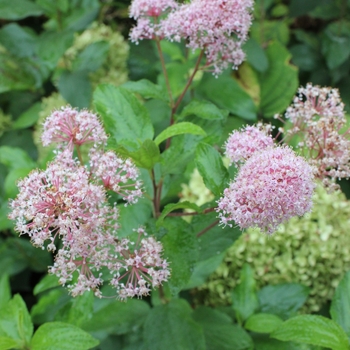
{"x":65,"y":208}
{"x":317,"y":117}
{"x":69,"y":127}
{"x":271,"y":187}
{"x":141,"y":264}
{"x":148,"y":13}
{"x":219,"y":27}
{"x":241,"y":145}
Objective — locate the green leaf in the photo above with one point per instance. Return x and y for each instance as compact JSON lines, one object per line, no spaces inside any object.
{"x":5,"y":290}
{"x":19,"y":41}
{"x":117,"y":317}
{"x":92,"y":57}
{"x":210,"y":166}
{"x":179,"y":154}
{"x":178,"y":129}
{"x":263,"y":323}
{"x":280,"y":81}
{"x":7,"y":343}
{"x":15,"y":158}
{"x":174,"y":206}
{"x":226,"y":93}
{"x":171,"y":326}
{"x":28,"y":118}
{"x":283,"y":300}
{"x":256,"y":56}
{"x":5,"y":223}
{"x":244,"y":297}
{"x":203,"y":109}
{"x":48,"y":282}
{"x":312,"y":329}
{"x":147,"y":89}
{"x":71,"y":82}
{"x":18,"y":9}
{"x":220,"y":332}
{"x":49,"y":304}
{"x":145,"y":157}
{"x":180,"y":249}
{"x":61,"y":336}
{"x":133,"y":216}
{"x":216,"y":240}
{"x":124,"y":117}
{"x":15,"y":321}
{"x":78,"y":310}
{"x":11,"y":180}
{"x":340,"y":307}
{"x":336,"y":44}
{"x":52,"y":46}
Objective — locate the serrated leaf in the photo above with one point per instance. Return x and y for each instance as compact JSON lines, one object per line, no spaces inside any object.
{"x":340,"y":307}
{"x":124,"y":117}
{"x":174,"y":206}
{"x":203,"y":109}
{"x":263,"y":323}
{"x":61,"y":336}
{"x":280,"y":81}
{"x":210,"y":166}
{"x":244,"y":297}
{"x":146,"y":89}
{"x":117,"y":317}
{"x":312,"y":329}
{"x":15,"y":321}
{"x":179,"y":154}
{"x":178,"y":129}
{"x":220,"y":332}
{"x":18,"y":9}
{"x":180,"y":249}
{"x":171,"y":326}
{"x":283,"y":300}
{"x":147,"y":155}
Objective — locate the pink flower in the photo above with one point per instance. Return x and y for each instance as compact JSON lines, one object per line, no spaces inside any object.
{"x":241,"y":145}
{"x":219,"y":27}
{"x":317,"y":117}
{"x":139,"y":266}
{"x":61,"y":203}
{"x":71,"y":127}
{"x":147,"y":13}
{"x":118,"y":175}
{"x":270,"y":188}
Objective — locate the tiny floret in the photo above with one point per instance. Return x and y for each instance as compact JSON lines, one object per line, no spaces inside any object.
{"x":317,"y":117}
{"x":68,"y":127}
{"x":138,"y":267}
{"x":241,"y":145}
{"x":219,"y":27}
{"x":270,"y":188}
{"x":116,"y":174}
